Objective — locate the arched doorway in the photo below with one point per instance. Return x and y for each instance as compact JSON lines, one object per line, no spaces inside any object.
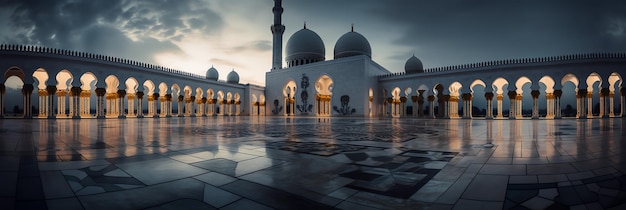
{"x":289,"y":92}
{"x":323,"y":96}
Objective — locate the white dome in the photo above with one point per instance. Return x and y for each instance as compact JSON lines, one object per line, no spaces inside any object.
{"x":351,"y":44}
{"x":304,"y":47}
{"x":232,"y":77}
{"x":413,"y":65}
{"x":212,"y":74}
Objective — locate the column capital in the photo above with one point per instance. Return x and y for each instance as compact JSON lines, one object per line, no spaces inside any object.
{"x":27,"y":88}
{"x":489,"y":96}
{"x":100,"y":92}
{"x":75,"y":91}
{"x":535,"y":93}
{"x":604,"y":92}
{"x":512,"y":94}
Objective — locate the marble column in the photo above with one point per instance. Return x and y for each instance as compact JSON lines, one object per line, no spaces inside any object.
{"x":420,"y":102}
{"x":467,"y":105}
{"x":604,"y":102}
{"x":403,"y":106}
{"x":51,"y":90}
{"x":622,"y":103}
{"x":27,"y":90}
{"x":535,"y":95}
{"x":156,"y":99}
{"x":612,"y":104}
{"x":121,"y":94}
{"x":100,"y":93}
{"x":415,"y":108}
{"x":140,"y":104}
{"x":453,"y":106}
{"x":446,"y":106}
{"x":431,"y":106}
{"x":557,"y":103}
{"x":550,"y":106}
{"x":499,"y":99}
{"x":581,"y":98}
{"x":513,"y":105}
{"x":589,"y":104}
{"x":204,"y":106}
{"x":43,"y":103}
{"x":489,"y":97}
{"x":85,"y":101}
{"x":61,"y":100}
{"x":75,"y":102}
{"x":180,"y":112}
{"x":191,"y":112}
{"x":518,"y":100}
{"x":131,"y":104}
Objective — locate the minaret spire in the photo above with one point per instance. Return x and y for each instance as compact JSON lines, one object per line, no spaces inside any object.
{"x":277,"y":31}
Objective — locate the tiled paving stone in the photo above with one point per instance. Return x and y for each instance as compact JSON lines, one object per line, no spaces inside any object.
{"x":604,"y":192}
{"x":97,"y":179}
{"x":317,"y":148}
{"x":388,"y":176}
{"x":588,"y":155}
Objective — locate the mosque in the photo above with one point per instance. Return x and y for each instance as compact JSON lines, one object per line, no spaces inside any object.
{"x":69,"y":84}
{"x":353,"y":84}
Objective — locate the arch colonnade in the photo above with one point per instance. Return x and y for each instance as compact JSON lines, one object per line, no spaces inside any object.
{"x":71,"y":84}
{"x":454,"y":96}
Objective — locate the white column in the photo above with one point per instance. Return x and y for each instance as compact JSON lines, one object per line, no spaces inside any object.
{"x":499,"y":98}
{"x":590,"y":104}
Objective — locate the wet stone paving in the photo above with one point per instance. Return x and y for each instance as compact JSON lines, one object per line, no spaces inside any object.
{"x":312,"y":163}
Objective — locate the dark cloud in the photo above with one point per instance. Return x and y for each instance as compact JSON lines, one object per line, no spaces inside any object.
{"x":114,"y":27}
{"x":106,"y":39}
{"x":473,"y":31}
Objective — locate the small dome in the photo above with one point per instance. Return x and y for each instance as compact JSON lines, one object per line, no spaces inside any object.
{"x":413,"y":65}
{"x":212,"y":74}
{"x":304,"y":47}
{"x":351,"y":44}
{"x":232,"y":77}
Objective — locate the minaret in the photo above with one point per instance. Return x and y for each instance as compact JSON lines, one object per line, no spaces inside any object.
{"x":277,"y":30}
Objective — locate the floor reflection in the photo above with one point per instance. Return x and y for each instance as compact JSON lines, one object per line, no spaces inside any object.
{"x":329,"y":160}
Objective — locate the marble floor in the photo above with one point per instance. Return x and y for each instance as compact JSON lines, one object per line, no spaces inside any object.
{"x":312,"y":163}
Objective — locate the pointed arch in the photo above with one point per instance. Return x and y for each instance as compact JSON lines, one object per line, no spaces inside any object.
{"x":64,"y":79}
{"x":149,"y":87}
{"x":477,"y":82}
{"x":550,"y":99}
{"x":520,"y":83}
{"x":112,"y":83}
{"x":131,"y":85}
{"x":498,"y":85}
{"x":88,"y":83}
{"x":41,"y":76}
{"x":88,"y":80}
{"x":455,"y":89}
{"x":548,"y":82}
{"x":14,"y":71}
{"x":570,"y":78}
{"x":615,"y":80}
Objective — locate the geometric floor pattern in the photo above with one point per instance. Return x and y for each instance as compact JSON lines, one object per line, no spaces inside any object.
{"x":312,"y":163}
{"x":600,"y":192}
{"x":399,"y":175}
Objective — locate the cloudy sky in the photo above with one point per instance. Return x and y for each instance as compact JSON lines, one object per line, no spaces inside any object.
{"x":193,"y":35}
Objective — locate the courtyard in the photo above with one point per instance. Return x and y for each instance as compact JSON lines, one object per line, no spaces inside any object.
{"x":312,"y":163}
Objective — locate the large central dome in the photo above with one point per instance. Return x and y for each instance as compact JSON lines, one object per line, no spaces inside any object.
{"x":352,"y":44}
{"x":304,"y":47}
